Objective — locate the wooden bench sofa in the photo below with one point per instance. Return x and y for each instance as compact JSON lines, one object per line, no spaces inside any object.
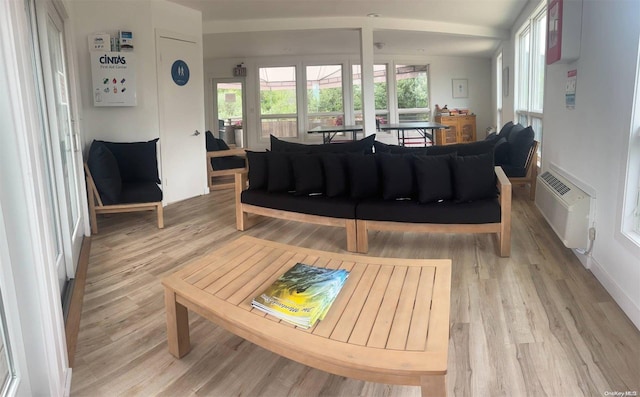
{"x":360,"y":214}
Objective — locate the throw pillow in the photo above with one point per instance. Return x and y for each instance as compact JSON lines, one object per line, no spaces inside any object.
{"x":138,"y":161}
{"x":363,"y":175}
{"x":222,"y":144}
{"x":280,"y":172}
{"x":501,"y":152}
{"x":105,"y":172}
{"x":335,"y":174}
{"x":433,"y":176}
{"x":308,"y":174}
{"x":364,"y":145}
{"x":257,"y":169}
{"x":505,"y":130}
{"x":211,"y":142}
{"x":519,"y":145}
{"x":397,"y":176}
{"x":474,"y":177}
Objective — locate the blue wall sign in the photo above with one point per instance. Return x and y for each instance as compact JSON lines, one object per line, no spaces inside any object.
{"x":180,"y":72}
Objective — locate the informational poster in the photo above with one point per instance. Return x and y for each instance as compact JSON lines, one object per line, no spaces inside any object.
{"x":570,"y":91}
{"x":114,"y":78}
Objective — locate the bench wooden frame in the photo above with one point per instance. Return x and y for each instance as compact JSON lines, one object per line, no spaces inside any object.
{"x":357,"y":230}
{"x":531,"y":176}
{"x":389,"y":324}
{"x":97,"y":207}
{"x":214,"y":175}
{"x":502,"y":228}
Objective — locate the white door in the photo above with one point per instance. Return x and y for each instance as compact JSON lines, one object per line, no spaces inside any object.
{"x":181,"y":107}
{"x":61,"y":141}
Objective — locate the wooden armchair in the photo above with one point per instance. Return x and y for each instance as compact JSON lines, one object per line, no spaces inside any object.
{"x":124,"y":181}
{"x":222,"y":163}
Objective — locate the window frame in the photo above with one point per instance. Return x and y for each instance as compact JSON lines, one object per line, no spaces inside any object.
{"x":523,"y":102}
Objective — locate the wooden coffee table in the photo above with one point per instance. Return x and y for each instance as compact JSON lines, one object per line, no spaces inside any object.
{"x":389,"y":324}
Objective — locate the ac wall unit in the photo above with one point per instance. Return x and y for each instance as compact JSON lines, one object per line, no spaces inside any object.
{"x":566,"y":208}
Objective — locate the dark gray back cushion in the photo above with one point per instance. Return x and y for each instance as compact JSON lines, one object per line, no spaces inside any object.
{"x":105,"y":172}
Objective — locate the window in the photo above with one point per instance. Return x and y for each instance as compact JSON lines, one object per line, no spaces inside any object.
{"x":412,"y":87}
{"x":631,"y":206}
{"x":278,"y":104}
{"x":324,"y":96}
{"x":530,"y":62}
{"x":499,"y":93}
{"x":380,"y":93}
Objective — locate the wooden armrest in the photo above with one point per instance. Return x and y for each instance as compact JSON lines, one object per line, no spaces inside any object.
{"x":226,"y":153}
{"x":503,"y":183}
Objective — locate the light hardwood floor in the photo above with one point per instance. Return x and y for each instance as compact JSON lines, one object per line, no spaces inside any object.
{"x":534,"y":324}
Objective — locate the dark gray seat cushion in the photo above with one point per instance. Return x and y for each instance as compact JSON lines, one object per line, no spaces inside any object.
{"x":335,"y":207}
{"x":105,"y":172}
{"x":446,"y":212}
{"x":142,"y":192}
{"x":222,"y":163}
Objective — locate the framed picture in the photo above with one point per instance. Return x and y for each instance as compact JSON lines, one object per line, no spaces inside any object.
{"x":460,"y":88}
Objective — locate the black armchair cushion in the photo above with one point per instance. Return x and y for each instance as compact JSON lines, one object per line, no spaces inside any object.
{"x":211,"y":142}
{"x":463,"y":149}
{"x":335,"y":174}
{"x":474,"y":177}
{"x":279,"y":172}
{"x":222,"y":163}
{"x":505,"y":130}
{"x":363,"y":175}
{"x":397,"y":176}
{"x":433,"y":175}
{"x":258,"y":176}
{"x":105,"y":172}
{"x":138,"y":161}
{"x":141,"y":192}
{"x":520,"y":142}
{"x":501,"y":152}
{"x":364,"y":145}
{"x":308,"y":174}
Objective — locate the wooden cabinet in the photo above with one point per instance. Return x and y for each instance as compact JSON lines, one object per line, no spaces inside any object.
{"x":461,"y":129}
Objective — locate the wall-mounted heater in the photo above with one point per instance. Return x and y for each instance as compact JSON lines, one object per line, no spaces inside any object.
{"x":566,"y":208}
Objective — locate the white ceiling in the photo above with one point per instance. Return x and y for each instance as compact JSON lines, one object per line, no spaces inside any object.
{"x":241,"y":28}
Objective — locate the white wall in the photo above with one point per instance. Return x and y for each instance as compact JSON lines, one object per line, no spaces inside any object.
{"x":442,"y":70}
{"x":591,"y":141}
{"x":142,"y":17}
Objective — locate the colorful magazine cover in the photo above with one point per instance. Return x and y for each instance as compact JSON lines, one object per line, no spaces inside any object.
{"x":302,"y":295}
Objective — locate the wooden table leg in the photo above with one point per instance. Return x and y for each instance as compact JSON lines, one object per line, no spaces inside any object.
{"x":433,"y":386}
{"x":177,"y":325}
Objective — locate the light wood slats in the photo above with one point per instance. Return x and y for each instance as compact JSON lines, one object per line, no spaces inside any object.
{"x":251,"y":273}
{"x":326,"y":326}
{"x":402,"y":319}
{"x":382,"y":326}
{"x":195,"y":273}
{"x":439,"y":321}
{"x":417,"y":337}
{"x":369,"y":312}
{"x":231,"y":272}
{"x":352,"y":311}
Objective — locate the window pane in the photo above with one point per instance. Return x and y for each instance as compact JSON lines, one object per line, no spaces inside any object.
{"x":524,"y":55}
{"x":412,"y":86}
{"x":538,"y":62}
{"x":230,"y":101}
{"x":284,"y":127}
{"x":379,"y":88}
{"x":278,"y":90}
{"x":324,"y":95}
{"x":278,"y":97}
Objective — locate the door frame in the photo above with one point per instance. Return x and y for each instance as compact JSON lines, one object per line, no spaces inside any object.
{"x":213,"y":115}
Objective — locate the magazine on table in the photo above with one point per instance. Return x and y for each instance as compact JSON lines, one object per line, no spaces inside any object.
{"x":302,"y":295}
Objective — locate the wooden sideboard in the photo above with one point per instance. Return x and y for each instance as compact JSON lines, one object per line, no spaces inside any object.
{"x":461,"y":129}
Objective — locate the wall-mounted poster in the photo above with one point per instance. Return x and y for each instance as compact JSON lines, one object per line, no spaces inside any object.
{"x":459,"y":88}
{"x":114,"y":78}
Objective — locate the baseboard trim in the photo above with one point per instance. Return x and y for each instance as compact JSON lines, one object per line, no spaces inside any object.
{"x":622,"y":299}
{"x":72,"y":325}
